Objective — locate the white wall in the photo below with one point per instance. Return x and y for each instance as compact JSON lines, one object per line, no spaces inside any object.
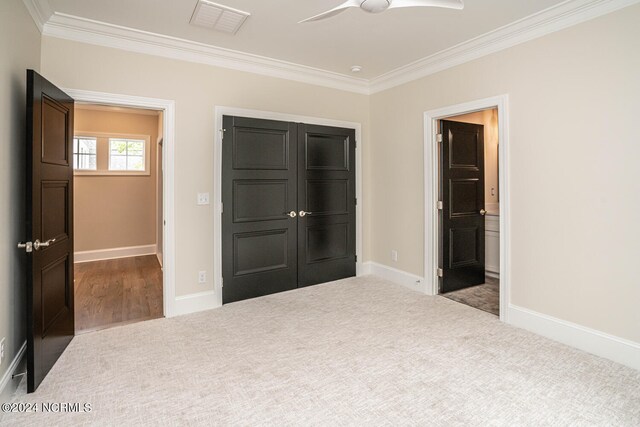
{"x":20,"y":47}
{"x":196,"y":89}
{"x":574,"y":152}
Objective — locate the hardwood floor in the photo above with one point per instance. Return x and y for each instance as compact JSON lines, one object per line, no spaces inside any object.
{"x":484,"y":297}
{"x":116,"y":292}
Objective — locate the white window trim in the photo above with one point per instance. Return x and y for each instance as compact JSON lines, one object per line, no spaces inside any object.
{"x":107,"y":136}
{"x":74,"y":153}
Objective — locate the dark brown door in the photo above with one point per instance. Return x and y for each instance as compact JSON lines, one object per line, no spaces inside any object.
{"x":327,"y":204}
{"x":259,"y":227}
{"x":49,"y":174}
{"x":462,"y":189}
{"x":289,"y":207}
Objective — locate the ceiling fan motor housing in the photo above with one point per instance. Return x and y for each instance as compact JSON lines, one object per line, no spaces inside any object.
{"x":375,"y":6}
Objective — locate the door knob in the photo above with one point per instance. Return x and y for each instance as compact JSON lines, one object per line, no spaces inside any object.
{"x":303,"y":213}
{"x":292,"y":214}
{"x":38,"y":244}
{"x":482,"y":212}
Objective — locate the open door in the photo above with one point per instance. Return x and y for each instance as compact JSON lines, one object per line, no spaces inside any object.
{"x":49,"y":245}
{"x":462,"y":221}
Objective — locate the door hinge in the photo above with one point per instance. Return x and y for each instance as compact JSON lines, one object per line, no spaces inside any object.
{"x":356,"y":201}
{"x":440,"y":205}
{"x":440,"y":272}
{"x":222,"y":131}
{"x":221,"y":207}
{"x":356,"y":258}
{"x":439,"y":137}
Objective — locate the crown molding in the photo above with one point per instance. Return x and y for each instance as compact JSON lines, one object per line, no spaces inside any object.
{"x":109,"y":35}
{"x":40,"y":11}
{"x":555,"y":18}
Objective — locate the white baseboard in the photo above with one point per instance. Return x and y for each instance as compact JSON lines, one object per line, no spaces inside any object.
{"x":494,"y":274}
{"x":159,"y":256}
{"x":400,"y":277}
{"x":114,"y":253}
{"x":6,"y":378}
{"x":193,"y":303}
{"x":590,"y":340}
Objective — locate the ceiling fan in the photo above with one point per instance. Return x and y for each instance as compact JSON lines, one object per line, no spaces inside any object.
{"x":377,"y":6}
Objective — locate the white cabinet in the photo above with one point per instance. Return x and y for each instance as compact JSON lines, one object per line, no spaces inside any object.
{"x":492,"y":244}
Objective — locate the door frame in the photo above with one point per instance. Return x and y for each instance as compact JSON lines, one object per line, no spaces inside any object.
{"x":221,"y":111}
{"x":168,"y":158}
{"x":431,"y":180}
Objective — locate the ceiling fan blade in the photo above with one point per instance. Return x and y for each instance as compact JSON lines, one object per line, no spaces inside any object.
{"x":336,"y":10}
{"x":448,"y":4}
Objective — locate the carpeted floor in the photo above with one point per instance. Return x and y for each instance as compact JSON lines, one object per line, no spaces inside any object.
{"x":354,"y":352}
{"x":484,"y":297}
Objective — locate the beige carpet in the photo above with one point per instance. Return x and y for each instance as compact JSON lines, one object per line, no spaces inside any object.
{"x":353,"y":352}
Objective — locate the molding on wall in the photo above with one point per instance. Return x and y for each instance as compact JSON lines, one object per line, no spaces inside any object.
{"x":592,"y":341}
{"x":555,"y":18}
{"x":431,"y":179}
{"x":114,"y":253}
{"x":6,"y":378}
{"x":40,"y":11}
{"x":84,"y":30}
{"x":194,"y":303}
{"x":394,"y":275}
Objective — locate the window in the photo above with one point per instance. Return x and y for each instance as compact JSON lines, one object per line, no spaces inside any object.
{"x":85,"y":153}
{"x":106,"y":154}
{"x":126,"y":155}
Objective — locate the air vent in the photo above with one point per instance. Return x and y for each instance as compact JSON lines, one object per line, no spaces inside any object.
{"x":218,"y":17}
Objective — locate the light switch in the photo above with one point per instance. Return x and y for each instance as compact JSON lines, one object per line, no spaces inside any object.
{"x":203,"y":198}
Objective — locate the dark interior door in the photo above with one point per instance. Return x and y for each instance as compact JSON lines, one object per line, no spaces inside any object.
{"x":462,"y":189}
{"x":259,"y":228}
{"x":49,"y":174}
{"x":327,"y":204}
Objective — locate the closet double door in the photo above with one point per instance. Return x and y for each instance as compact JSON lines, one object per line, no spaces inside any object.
{"x":289,"y":206}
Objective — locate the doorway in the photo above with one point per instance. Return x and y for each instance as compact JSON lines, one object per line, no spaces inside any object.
{"x":117,"y":215}
{"x":290,"y":195}
{"x":469,"y":214}
{"x":52,"y":149}
{"x":219,"y":113}
{"x":466,"y":203}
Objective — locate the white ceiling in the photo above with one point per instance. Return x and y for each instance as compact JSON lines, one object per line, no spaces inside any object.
{"x":379,"y":43}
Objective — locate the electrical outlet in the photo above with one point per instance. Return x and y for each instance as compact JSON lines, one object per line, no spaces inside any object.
{"x":2,"y":351}
{"x":394,"y":255}
{"x":202,"y":277}
{"x":203,"y":198}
